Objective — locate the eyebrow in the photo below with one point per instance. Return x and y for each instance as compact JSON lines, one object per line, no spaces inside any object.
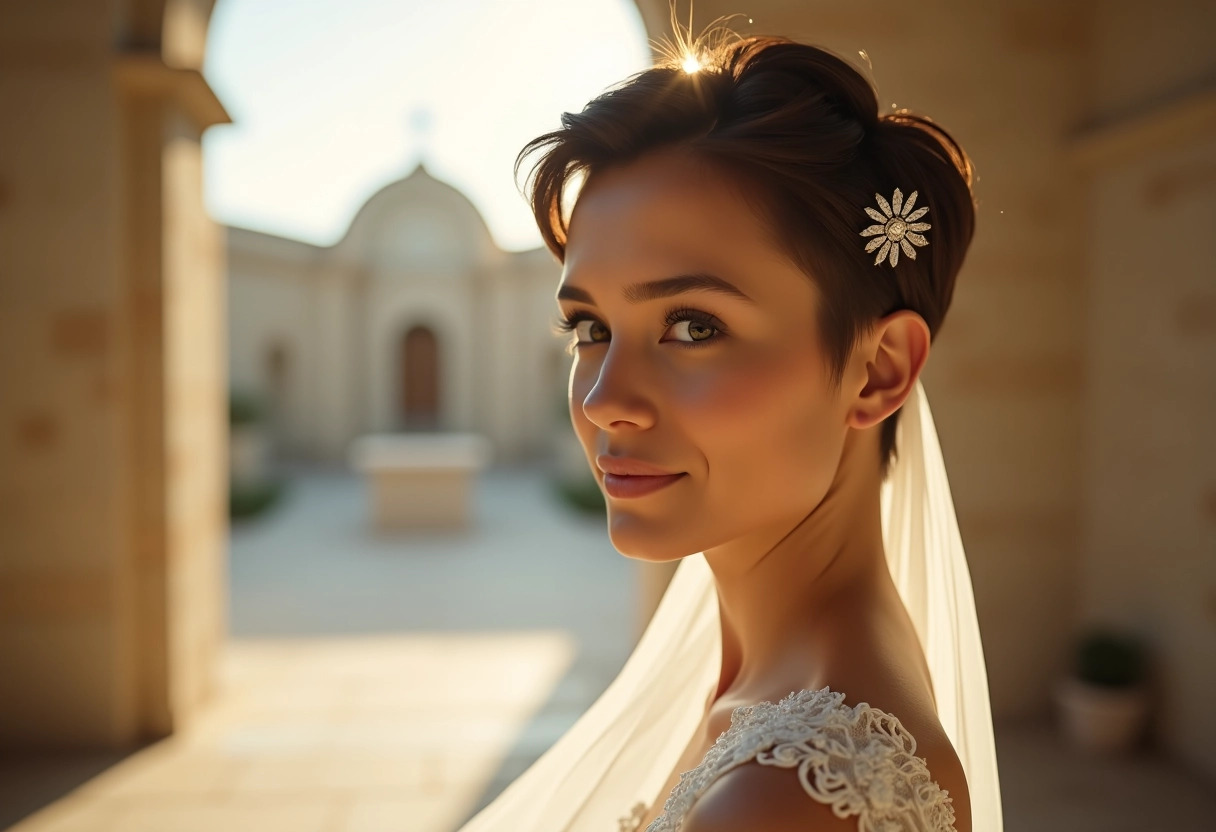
{"x":662,"y":288}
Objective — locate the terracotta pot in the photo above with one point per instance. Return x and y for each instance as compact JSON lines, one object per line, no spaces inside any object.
{"x":1099,"y":719}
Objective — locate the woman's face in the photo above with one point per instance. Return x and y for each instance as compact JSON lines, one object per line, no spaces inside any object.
{"x":729,"y":392}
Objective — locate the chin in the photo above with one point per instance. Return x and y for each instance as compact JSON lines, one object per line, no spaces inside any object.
{"x":652,"y":557}
{"x":637,"y":538}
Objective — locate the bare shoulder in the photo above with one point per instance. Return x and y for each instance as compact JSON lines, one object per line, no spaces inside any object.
{"x":933,"y":746}
{"x":757,"y":797}
{"x":946,"y":770}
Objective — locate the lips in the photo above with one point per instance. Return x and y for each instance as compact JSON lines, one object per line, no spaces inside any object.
{"x":621,"y":486}
{"x":630,"y":467}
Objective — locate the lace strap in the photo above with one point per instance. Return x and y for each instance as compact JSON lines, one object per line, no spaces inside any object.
{"x":860,"y":761}
{"x":864,"y":763}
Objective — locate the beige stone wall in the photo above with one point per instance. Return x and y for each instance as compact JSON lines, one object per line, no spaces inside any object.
{"x":523,"y":377}
{"x":1149,"y":519}
{"x":196,"y":408}
{"x":63,"y":529}
{"x":111,"y":521}
{"x":546,"y":374}
{"x":270,"y":304}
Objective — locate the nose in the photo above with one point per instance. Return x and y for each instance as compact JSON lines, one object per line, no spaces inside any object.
{"x":618,"y":393}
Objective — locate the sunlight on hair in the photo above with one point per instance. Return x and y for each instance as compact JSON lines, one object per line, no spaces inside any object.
{"x":691,"y":52}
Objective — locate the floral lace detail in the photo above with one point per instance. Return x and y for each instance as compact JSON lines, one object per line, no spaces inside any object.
{"x":858,"y":760}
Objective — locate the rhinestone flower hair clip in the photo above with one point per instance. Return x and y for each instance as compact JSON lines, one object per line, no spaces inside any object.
{"x":899,"y":229}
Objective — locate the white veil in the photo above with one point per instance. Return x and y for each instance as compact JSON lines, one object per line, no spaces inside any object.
{"x":621,"y":751}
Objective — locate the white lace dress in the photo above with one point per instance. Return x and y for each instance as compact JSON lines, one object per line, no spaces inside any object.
{"x":858,"y":760}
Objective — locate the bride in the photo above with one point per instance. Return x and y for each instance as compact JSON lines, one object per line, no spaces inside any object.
{"x":753,"y":273}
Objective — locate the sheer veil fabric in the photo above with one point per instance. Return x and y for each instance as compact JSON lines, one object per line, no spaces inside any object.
{"x":622,"y":749}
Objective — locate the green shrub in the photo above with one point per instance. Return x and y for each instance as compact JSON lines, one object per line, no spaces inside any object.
{"x":246,"y":501}
{"x":244,"y":409}
{"x":1111,"y":659}
{"x":583,"y":495}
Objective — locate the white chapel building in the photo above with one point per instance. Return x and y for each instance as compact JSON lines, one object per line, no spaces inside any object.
{"x":414,"y":321}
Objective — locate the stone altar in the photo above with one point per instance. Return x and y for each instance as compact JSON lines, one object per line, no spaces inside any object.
{"x":421,"y":480}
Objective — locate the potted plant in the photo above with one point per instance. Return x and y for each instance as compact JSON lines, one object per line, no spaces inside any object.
{"x":1104,"y":702}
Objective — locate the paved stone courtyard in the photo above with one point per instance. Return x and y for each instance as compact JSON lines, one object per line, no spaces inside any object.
{"x":400,"y":683}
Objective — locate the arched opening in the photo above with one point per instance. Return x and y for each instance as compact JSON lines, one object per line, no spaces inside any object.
{"x":419,"y":364}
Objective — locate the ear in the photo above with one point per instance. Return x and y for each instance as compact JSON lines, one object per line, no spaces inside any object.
{"x":886,"y":365}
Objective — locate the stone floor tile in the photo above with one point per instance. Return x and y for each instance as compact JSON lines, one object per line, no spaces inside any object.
{"x":168,"y":768}
{"x":416,"y":814}
{"x":296,"y":811}
{"x":1046,"y":786}
{"x":71,"y":814}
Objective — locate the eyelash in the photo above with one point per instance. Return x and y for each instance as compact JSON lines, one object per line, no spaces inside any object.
{"x":673,"y":316}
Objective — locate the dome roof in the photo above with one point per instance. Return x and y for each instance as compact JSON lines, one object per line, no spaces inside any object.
{"x":421,"y":220}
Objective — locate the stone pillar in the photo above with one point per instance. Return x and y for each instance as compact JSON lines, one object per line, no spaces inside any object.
{"x":111,"y":496}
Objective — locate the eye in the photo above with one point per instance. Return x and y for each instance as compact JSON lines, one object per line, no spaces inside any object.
{"x":584,"y":329}
{"x":582,"y":325}
{"x":700,"y":327}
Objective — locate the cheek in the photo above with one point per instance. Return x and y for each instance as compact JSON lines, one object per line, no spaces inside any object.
{"x":767,"y":433}
{"x":746,"y":400}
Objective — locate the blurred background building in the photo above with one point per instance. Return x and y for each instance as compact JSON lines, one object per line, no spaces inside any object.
{"x":415,"y":320}
{"x":1072,"y":384}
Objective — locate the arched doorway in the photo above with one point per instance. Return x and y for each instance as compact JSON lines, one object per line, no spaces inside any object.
{"x":419,"y":364}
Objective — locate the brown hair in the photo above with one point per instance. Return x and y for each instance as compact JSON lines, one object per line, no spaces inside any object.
{"x":798,"y":129}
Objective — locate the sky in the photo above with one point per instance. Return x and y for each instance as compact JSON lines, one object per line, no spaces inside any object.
{"x":333,"y":99}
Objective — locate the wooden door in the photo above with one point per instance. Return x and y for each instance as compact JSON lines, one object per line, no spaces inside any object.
{"x":420,"y":379}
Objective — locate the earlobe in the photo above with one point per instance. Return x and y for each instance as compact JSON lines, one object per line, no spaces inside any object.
{"x":863,"y":419}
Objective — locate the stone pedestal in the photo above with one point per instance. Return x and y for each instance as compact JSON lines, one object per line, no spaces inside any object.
{"x":422,"y":480}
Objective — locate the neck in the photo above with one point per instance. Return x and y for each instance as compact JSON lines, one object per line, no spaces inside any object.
{"x":790,"y":593}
